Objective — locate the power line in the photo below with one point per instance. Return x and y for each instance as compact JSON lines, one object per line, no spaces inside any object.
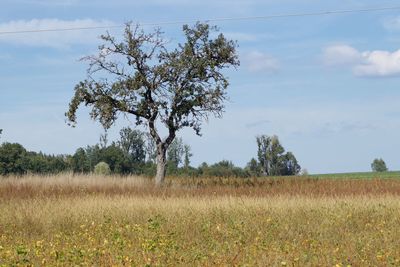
{"x":286,"y":15}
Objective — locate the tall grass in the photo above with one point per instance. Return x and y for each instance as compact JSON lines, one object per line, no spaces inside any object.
{"x":105,"y":221}
{"x":81,"y":185}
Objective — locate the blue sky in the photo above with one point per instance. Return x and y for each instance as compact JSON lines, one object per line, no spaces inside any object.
{"x":328,"y":86}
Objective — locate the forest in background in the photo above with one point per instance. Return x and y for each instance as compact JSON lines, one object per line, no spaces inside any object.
{"x":135,"y":153}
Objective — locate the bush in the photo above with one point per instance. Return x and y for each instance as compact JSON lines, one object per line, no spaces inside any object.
{"x":102,"y":168}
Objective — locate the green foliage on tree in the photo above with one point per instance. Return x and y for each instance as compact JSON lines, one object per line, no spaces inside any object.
{"x":117,"y":160}
{"x":41,"y":163}
{"x":378,"y":165}
{"x":223,"y":168}
{"x":253,"y":168}
{"x":142,"y":77}
{"x":175,"y":154}
{"x":272,"y":157}
{"x":133,"y":144}
{"x":13,"y":159}
{"x":289,"y":165}
{"x":102,"y":168}
{"x":79,"y":161}
{"x":178,"y":158}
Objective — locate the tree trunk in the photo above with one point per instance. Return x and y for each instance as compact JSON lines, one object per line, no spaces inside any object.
{"x":161,"y":164}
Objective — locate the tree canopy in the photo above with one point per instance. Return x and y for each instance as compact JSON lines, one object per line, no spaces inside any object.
{"x":379,"y":165}
{"x":272,"y":157}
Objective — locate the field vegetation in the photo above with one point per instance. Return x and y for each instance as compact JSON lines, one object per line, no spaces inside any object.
{"x":360,"y":175}
{"x":69,"y":220}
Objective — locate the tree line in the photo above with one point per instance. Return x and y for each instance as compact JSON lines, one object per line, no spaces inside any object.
{"x":135,"y":153}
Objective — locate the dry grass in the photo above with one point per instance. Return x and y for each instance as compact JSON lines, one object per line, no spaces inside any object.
{"x":77,"y":185}
{"x":97,"y":221}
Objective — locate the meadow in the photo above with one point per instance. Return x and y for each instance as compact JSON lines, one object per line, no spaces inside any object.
{"x":360,"y":175}
{"x":69,"y":220}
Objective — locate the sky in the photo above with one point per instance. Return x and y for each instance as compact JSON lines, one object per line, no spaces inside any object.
{"x":328,"y":86}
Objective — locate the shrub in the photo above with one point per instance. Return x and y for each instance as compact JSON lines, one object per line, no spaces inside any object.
{"x":102,"y":168}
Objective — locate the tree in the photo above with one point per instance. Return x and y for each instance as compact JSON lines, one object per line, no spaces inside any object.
{"x":289,"y":165}
{"x":269,"y":153}
{"x":272,"y":159}
{"x":187,"y":154}
{"x":223,"y":168}
{"x":378,"y":165}
{"x":80,"y":162}
{"x":132,"y":143}
{"x":104,"y":140}
{"x":174,"y":155}
{"x":253,"y":167}
{"x":175,"y":88}
{"x":117,"y":160}
{"x":45,"y":164}
{"x":93,"y":155}
{"x":151,"y":149}
{"x":175,"y":152}
{"x":13,"y":159}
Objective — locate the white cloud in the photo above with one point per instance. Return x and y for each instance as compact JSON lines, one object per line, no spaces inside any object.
{"x":59,"y":39}
{"x":379,"y":63}
{"x":256,"y":61}
{"x":340,"y":55}
{"x":363,"y":63}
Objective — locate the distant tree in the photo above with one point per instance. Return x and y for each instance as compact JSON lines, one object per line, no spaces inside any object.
{"x":289,"y":164}
{"x":269,"y":152}
{"x":46,"y":164}
{"x":175,"y":152}
{"x":151,"y":149}
{"x":378,"y":165}
{"x":175,"y":88}
{"x":13,"y":159}
{"x":104,"y":139}
{"x":132,"y":143}
{"x":187,"y":155}
{"x":224,"y":168}
{"x":38,"y":163}
{"x":273,"y":159}
{"x":202,"y":169}
{"x":80,"y":162}
{"x":93,"y":155}
{"x":102,"y":168}
{"x":115,"y":157}
{"x":253,"y":167}
{"x":58,"y":163}
{"x":1,"y":131}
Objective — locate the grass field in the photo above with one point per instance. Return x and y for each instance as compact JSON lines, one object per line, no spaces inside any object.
{"x":97,"y":221}
{"x":360,"y":175}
